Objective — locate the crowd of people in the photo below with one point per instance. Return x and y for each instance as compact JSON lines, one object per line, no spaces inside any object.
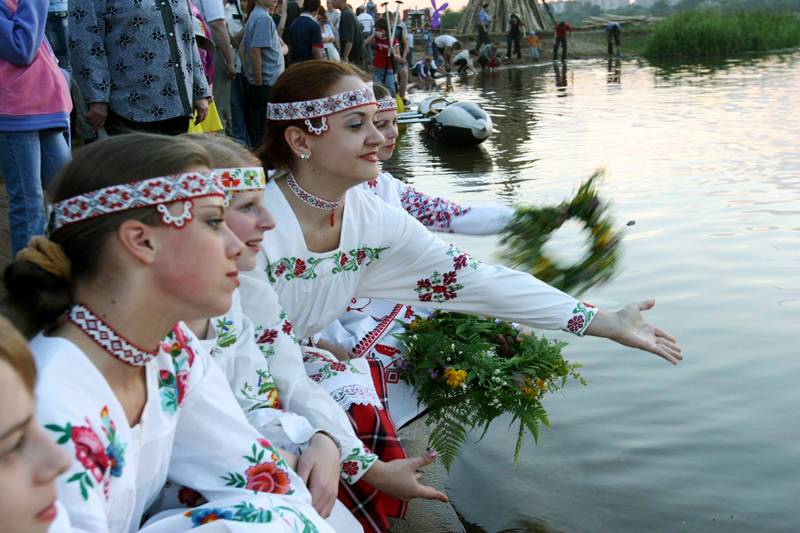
{"x":206,"y":332}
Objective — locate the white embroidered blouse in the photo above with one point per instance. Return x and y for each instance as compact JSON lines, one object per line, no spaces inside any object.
{"x":191,"y":431}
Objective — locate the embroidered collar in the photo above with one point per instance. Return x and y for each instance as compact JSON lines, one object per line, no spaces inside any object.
{"x":107,"y":338}
{"x":309,"y":198}
{"x":387,"y":104}
{"x":321,"y":107}
{"x":151,"y":192}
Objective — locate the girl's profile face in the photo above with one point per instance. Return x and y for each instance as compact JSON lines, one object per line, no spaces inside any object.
{"x":248,"y":219}
{"x":29,"y":460}
{"x":195,"y":266}
{"x":348,"y":151}
{"x":386,"y":123}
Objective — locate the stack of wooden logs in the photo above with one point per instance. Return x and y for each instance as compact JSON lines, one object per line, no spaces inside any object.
{"x":531,"y":13}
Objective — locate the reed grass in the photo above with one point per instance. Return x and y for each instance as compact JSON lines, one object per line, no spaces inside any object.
{"x":716,"y":33}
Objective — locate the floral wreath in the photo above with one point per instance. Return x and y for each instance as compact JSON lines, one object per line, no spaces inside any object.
{"x":531,"y":227}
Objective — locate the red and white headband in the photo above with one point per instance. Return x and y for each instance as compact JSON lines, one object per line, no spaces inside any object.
{"x":238,"y":179}
{"x":151,"y":192}
{"x":321,"y":107}
{"x":387,"y":104}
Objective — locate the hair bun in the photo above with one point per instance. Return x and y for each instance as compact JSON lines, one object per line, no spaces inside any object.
{"x":47,"y":255}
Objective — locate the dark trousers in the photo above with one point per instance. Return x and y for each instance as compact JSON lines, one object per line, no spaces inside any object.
{"x":513,"y":39}
{"x":117,"y":125}
{"x":57,"y":31}
{"x":562,"y":41}
{"x":255,"y":103}
{"x":483,"y":37}
{"x":613,"y":40}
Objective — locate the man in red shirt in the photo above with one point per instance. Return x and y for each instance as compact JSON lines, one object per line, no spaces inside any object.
{"x":562,"y":29}
{"x":383,"y":63}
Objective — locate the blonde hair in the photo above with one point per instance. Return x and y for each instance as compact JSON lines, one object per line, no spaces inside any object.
{"x":14,"y":351}
{"x":224,"y":151}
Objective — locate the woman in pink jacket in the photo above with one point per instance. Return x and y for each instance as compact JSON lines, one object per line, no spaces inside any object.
{"x":34,"y":115}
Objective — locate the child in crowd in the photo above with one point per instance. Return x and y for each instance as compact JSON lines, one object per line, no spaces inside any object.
{"x":463,"y":60}
{"x":487,"y":57}
{"x":384,"y":63}
{"x":425,"y":73}
{"x":107,"y":293}
{"x":264,"y":62}
{"x":30,"y":461}
{"x":33,"y":147}
{"x":534,"y":44}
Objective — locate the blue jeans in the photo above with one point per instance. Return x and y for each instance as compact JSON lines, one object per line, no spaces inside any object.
{"x":238,"y":123}
{"x":389,"y":82}
{"x":57,"y":31}
{"x":29,"y":160}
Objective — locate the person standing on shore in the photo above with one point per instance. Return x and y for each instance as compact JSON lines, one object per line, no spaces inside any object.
{"x":534,"y":43}
{"x":483,"y":26}
{"x":305,"y":35}
{"x":561,"y":31}
{"x":350,"y":39}
{"x":613,"y":32}
{"x":514,"y":36}
{"x":34,"y":114}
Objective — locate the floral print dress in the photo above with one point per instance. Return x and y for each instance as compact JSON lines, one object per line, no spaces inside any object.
{"x":191,"y":431}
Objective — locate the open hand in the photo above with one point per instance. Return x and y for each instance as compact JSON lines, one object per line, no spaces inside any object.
{"x":400,"y":478}
{"x":629,"y":328}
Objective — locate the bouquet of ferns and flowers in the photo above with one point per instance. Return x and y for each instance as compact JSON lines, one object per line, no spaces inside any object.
{"x":469,"y":370}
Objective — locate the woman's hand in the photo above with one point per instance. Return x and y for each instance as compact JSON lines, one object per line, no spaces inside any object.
{"x":400,"y":479}
{"x":96,"y":115}
{"x":629,"y":328}
{"x":319,"y":467}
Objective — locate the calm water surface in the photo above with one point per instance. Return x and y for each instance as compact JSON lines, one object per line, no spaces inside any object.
{"x":706,"y":161}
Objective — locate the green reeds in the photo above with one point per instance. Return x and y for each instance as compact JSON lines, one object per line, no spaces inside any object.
{"x":719,"y":33}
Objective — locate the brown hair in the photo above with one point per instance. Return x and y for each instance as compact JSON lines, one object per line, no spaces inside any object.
{"x":302,"y":81}
{"x":40,"y":295}
{"x":381,"y":92}
{"x":14,"y":351}
{"x":224,"y":151}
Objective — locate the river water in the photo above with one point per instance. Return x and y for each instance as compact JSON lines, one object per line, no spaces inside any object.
{"x":705,"y":160}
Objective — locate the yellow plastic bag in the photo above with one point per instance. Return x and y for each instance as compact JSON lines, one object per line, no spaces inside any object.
{"x":211,"y":124}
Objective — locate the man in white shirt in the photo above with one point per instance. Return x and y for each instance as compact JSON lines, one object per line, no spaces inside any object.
{"x":213,"y":12}
{"x":367,"y":25}
{"x":444,"y":45}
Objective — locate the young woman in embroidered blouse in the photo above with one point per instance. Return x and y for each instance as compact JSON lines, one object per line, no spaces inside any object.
{"x":369,"y":326}
{"x":137,"y":242}
{"x":29,"y":461}
{"x":264,"y":366}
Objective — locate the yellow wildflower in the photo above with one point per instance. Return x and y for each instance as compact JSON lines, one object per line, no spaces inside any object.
{"x":454,"y":377}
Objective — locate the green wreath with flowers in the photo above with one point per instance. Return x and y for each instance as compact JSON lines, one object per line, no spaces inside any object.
{"x":470,"y":370}
{"x":531,"y":227}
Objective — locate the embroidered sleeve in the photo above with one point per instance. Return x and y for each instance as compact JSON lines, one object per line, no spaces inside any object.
{"x":580,"y":318}
{"x":434,"y":213}
{"x":356,"y":464}
{"x":87,"y":30}
{"x":418,"y":267}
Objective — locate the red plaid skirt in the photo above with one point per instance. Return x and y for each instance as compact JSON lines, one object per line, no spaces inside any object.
{"x":376,"y":430}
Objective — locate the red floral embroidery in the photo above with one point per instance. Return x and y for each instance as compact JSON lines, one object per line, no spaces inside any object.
{"x":299,"y":267}
{"x":267,"y":477}
{"x":268,"y":337}
{"x":229,"y":182}
{"x":280,"y":269}
{"x":350,"y":468}
{"x":343,"y":259}
{"x":182,"y":380}
{"x":316,"y":377}
{"x":89,"y":450}
{"x":372,"y":183}
{"x":576,"y":323}
{"x":439,"y":287}
{"x":460,"y":261}
{"x":338,"y":367}
{"x":287,"y":327}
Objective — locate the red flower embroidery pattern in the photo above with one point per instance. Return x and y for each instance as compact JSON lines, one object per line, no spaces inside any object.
{"x":89,"y":451}
{"x":268,"y":471}
{"x":268,"y":337}
{"x":439,"y":287}
{"x":350,"y":468}
{"x":287,"y":327}
{"x":289,"y":268}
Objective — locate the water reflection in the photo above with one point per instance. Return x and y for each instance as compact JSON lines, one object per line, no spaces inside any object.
{"x":704,"y":158}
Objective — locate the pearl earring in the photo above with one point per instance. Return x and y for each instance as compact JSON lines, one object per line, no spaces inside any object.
{"x":305,"y":157}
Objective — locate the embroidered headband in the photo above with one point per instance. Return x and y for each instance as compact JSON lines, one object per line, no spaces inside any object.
{"x":155,"y":192}
{"x":238,"y":179}
{"x":321,"y":107}
{"x":387,"y":104}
